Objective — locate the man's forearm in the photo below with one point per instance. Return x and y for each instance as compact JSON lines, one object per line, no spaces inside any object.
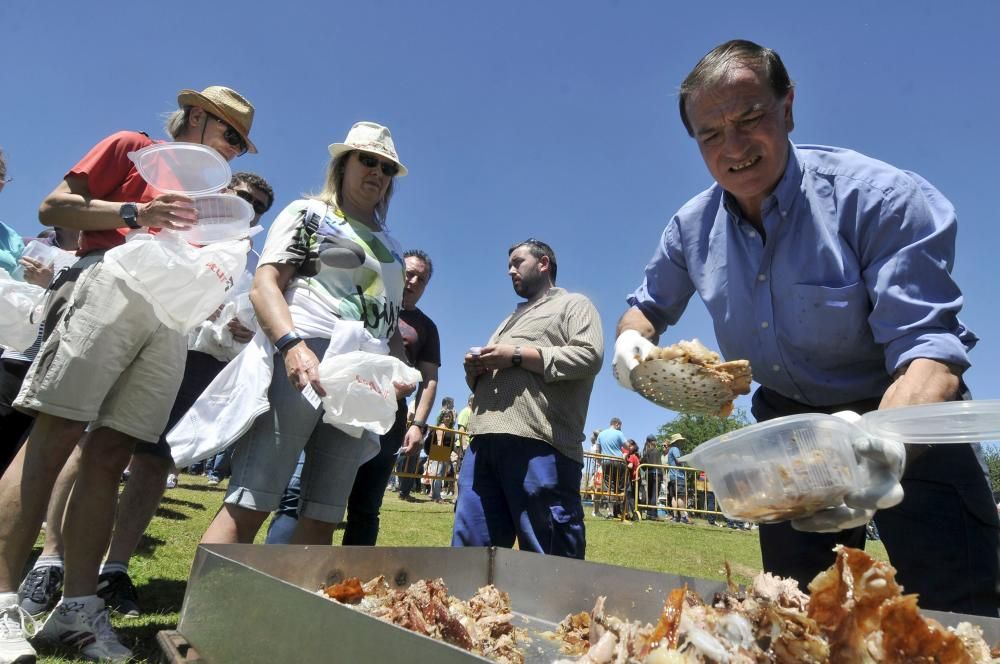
{"x":633,"y":319}
{"x":923,"y":381}
{"x":425,"y":400}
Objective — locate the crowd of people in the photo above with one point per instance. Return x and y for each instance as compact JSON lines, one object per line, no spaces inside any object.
{"x":827,"y":269}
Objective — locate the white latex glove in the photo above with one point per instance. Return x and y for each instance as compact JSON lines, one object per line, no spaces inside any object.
{"x":881,"y":467}
{"x":630,"y":349}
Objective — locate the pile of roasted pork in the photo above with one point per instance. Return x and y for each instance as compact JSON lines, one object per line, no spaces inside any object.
{"x":855,"y":612}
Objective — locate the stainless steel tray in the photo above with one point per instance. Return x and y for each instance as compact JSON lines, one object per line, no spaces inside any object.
{"x":254,"y":603}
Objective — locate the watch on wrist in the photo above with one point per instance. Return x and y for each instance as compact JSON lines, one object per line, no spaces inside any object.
{"x":129,"y":212}
{"x":515,"y":359}
{"x":287,"y":341}
{"x":420,"y":424}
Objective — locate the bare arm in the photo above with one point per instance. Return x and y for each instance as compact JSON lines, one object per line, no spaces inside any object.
{"x":71,"y":205}
{"x":267,"y":295}
{"x":426,"y":393}
{"x":633,"y":319}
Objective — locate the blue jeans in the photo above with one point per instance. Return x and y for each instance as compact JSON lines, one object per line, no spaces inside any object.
{"x":217,"y":467}
{"x":287,"y":515}
{"x":513,"y":487}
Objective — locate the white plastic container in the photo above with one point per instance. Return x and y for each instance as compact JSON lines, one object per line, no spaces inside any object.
{"x":791,"y":467}
{"x":199,"y":172}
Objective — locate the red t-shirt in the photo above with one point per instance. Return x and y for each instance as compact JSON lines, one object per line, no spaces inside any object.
{"x":111,"y":176}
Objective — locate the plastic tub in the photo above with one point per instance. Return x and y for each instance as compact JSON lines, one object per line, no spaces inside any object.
{"x":190,"y":169}
{"x":937,"y":423}
{"x":782,"y":469}
{"x":221,"y":217}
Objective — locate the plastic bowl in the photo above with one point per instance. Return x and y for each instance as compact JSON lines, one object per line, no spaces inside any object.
{"x":782,"y":469}
{"x":221,"y":217}
{"x":182,"y":168}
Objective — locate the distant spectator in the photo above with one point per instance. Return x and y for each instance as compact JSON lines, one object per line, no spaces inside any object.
{"x":652,"y":455}
{"x":676,"y":485}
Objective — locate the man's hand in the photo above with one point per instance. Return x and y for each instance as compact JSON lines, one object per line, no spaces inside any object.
{"x":881,"y":465}
{"x":473,"y":365}
{"x":172,"y":211}
{"x":301,"y":366}
{"x":496,"y":357}
{"x":412,"y":441}
{"x":630,"y":348}
{"x":922,"y":381}
{"x":240,"y":333}
{"x":36,"y":272}
{"x":403,"y":390}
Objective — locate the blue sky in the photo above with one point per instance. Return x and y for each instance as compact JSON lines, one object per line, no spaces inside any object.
{"x":555,"y":120}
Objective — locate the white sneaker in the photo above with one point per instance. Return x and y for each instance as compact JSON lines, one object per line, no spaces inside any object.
{"x":171,"y":481}
{"x":14,"y":628}
{"x":85,"y":626}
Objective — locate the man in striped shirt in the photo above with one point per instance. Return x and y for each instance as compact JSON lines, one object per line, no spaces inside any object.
{"x":531,"y":385}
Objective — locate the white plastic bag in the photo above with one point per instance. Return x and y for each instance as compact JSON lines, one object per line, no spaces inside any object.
{"x":18,"y":300}
{"x":359,"y":390}
{"x":183,"y":283}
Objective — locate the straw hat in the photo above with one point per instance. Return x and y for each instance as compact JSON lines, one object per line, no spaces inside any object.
{"x":674,"y":437}
{"x":226,"y":104}
{"x":369,"y":137}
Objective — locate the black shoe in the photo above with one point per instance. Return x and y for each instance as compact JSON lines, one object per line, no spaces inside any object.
{"x":118,"y":593}
{"x":41,"y":589}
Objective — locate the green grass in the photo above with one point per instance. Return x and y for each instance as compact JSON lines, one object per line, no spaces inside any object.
{"x":161,"y":566}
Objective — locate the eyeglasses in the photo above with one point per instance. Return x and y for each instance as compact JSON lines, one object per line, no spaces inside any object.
{"x":258,"y":206}
{"x":370,"y":161}
{"x":231,"y":135}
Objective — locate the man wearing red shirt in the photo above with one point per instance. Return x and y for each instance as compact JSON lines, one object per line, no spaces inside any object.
{"x":109,"y":363}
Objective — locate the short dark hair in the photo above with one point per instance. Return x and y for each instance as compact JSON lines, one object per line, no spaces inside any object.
{"x":254,"y":180}
{"x":721,"y":59}
{"x":537,"y":248}
{"x":417,"y":253}
{"x":615,"y":420}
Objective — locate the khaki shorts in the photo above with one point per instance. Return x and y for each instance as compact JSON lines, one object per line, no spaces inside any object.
{"x":109,"y":361}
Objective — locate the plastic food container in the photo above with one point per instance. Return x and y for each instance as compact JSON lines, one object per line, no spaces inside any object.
{"x":199,"y":172}
{"x":190,"y":169}
{"x":791,"y":467}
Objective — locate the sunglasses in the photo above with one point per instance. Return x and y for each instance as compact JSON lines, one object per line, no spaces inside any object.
{"x":231,"y":135}
{"x":258,"y":206}
{"x":370,"y":161}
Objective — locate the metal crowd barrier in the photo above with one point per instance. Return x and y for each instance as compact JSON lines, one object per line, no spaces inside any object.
{"x":442,"y":462}
{"x":606,"y":482}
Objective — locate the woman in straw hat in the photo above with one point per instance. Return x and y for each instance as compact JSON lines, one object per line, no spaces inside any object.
{"x":327,"y":260}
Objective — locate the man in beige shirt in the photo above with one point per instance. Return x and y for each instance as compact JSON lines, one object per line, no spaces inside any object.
{"x":531,"y":388}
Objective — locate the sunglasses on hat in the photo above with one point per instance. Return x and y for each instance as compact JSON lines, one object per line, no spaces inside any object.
{"x":258,"y":206}
{"x":231,"y":135}
{"x":370,"y":161}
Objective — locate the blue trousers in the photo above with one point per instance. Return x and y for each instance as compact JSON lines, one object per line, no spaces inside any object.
{"x":519,"y":488}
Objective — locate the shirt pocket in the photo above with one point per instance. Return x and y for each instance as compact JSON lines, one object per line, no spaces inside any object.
{"x":828,"y":321}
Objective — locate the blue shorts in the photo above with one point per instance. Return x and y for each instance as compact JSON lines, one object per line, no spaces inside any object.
{"x":519,"y":488}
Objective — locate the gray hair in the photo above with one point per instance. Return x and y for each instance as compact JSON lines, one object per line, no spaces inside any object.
{"x":723,"y":59}
{"x":177,"y":120}
{"x":421,"y":255}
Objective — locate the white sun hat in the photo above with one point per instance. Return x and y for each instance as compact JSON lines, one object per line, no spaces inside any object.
{"x":369,"y":137}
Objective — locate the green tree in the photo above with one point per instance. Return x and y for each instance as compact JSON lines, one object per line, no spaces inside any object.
{"x":992,"y":456}
{"x":699,"y":428}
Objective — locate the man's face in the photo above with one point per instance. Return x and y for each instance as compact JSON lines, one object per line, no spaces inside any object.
{"x":253,"y":196}
{"x":527,"y":273}
{"x":414,"y":281}
{"x":742,"y":131}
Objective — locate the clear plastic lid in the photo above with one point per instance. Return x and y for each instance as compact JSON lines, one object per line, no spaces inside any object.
{"x":937,"y":423}
{"x":182,"y":168}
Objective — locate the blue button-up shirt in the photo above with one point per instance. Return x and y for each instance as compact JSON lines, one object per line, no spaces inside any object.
{"x":852,"y":281}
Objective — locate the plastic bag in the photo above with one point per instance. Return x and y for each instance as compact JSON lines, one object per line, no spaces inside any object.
{"x":183,"y":283}
{"x":18,"y":300}
{"x":359,"y":390}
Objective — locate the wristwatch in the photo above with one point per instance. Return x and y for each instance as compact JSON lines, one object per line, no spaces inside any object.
{"x":420,"y":424}
{"x":129,"y":212}
{"x":515,"y":360}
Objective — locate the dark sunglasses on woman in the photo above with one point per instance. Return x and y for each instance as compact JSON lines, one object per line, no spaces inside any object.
{"x":231,"y":135}
{"x":370,"y":161}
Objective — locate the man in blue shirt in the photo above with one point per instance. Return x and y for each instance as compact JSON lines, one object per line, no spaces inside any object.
{"x":612,"y":440}
{"x":831,"y":272}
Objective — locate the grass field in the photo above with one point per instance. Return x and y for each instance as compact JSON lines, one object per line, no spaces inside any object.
{"x":160,"y":568}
